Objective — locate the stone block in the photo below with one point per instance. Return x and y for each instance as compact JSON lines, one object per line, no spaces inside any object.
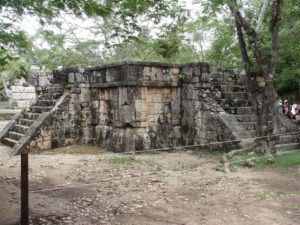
{"x":157,"y":72}
{"x":47,"y":138}
{"x":69,"y":141}
{"x":158,"y":107}
{"x":175,"y":78}
{"x":144,"y":93}
{"x":175,"y":71}
{"x":46,"y":145}
{"x":95,"y":104}
{"x":196,"y":79}
{"x":83,"y":98}
{"x":79,"y":78}
{"x":156,"y":98}
{"x":138,"y":105}
{"x":205,"y":77}
{"x":147,"y":69}
{"x":43,"y":81}
{"x":71,"y":78}
{"x":141,"y":116}
{"x":196,"y":71}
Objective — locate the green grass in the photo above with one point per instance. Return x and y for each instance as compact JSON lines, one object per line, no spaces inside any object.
{"x":297,"y":174}
{"x":200,"y":152}
{"x":122,"y":160}
{"x":269,"y":194}
{"x":280,"y":161}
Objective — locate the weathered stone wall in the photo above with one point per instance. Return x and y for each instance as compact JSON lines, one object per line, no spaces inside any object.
{"x":21,"y":94}
{"x":24,"y":90}
{"x":136,"y":106}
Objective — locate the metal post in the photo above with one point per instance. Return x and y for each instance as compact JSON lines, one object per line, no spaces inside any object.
{"x":24,"y":190}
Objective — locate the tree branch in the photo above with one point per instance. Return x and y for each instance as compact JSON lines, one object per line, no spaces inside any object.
{"x":251,"y":35}
{"x":243,"y":49}
{"x":261,"y":16}
{"x":274,"y":28}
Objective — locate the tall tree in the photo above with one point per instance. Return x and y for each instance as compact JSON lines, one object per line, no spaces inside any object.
{"x":259,"y":48}
{"x":266,"y":106}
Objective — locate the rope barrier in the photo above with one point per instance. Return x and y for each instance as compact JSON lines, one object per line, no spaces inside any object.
{"x":159,"y":150}
{"x":208,"y":144}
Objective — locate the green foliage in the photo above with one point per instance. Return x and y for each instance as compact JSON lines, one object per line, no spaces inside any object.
{"x":168,"y":48}
{"x":225,"y":51}
{"x":56,"y":54}
{"x":126,"y":11}
{"x":288,"y":78}
{"x":14,"y":40}
{"x":288,"y":83}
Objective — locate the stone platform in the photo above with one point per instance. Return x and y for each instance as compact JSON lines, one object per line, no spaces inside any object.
{"x":134,"y":106}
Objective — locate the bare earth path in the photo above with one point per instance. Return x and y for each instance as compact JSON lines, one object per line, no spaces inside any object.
{"x":157,"y":189}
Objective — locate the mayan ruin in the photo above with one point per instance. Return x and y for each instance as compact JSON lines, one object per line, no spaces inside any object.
{"x":150,"y":112}
{"x":134,"y":106}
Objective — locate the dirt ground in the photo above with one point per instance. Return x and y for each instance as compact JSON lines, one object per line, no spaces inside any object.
{"x":177,"y":188}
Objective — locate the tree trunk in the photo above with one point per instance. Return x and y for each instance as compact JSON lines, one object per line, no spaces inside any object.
{"x":265,"y":99}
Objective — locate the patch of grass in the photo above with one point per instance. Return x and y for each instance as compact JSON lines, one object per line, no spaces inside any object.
{"x":296,"y":174}
{"x":200,"y":152}
{"x":157,"y":168}
{"x":287,"y":160}
{"x":269,"y":194}
{"x":280,"y":161}
{"x":239,"y":160}
{"x":122,"y":160}
{"x":292,"y":206}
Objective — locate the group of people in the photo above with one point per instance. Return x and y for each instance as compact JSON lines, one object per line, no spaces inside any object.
{"x":292,"y":111}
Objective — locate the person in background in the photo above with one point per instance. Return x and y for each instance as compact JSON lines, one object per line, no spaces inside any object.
{"x":286,"y":107}
{"x":280,"y":106}
{"x":298,"y":112}
{"x":293,"y":111}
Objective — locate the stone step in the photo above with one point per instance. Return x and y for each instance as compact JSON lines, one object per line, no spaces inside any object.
{"x":287,"y":147}
{"x":41,"y":109}
{"x":26,"y":122}
{"x":232,"y":88}
{"x":246,"y":118}
{"x":239,"y":110}
{"x":234,"y":102}
{"x":45,"y":102}
{"x":252,"y":133}
{"x":235,"y":95}
{"x":50,"y":96}
{"x":9,"y":142}
{"x":249,"y":125}
{"x":30,"y":115}
{"x":285,"y":139}
{"x":15,"y":135}
{"x":20,"y":128}
{"x":54,"y":89}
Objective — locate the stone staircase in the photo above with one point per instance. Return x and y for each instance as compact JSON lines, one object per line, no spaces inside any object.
{"x":235,"y":100}
{"x":242,"y":110}
{"x":20,"y":125}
